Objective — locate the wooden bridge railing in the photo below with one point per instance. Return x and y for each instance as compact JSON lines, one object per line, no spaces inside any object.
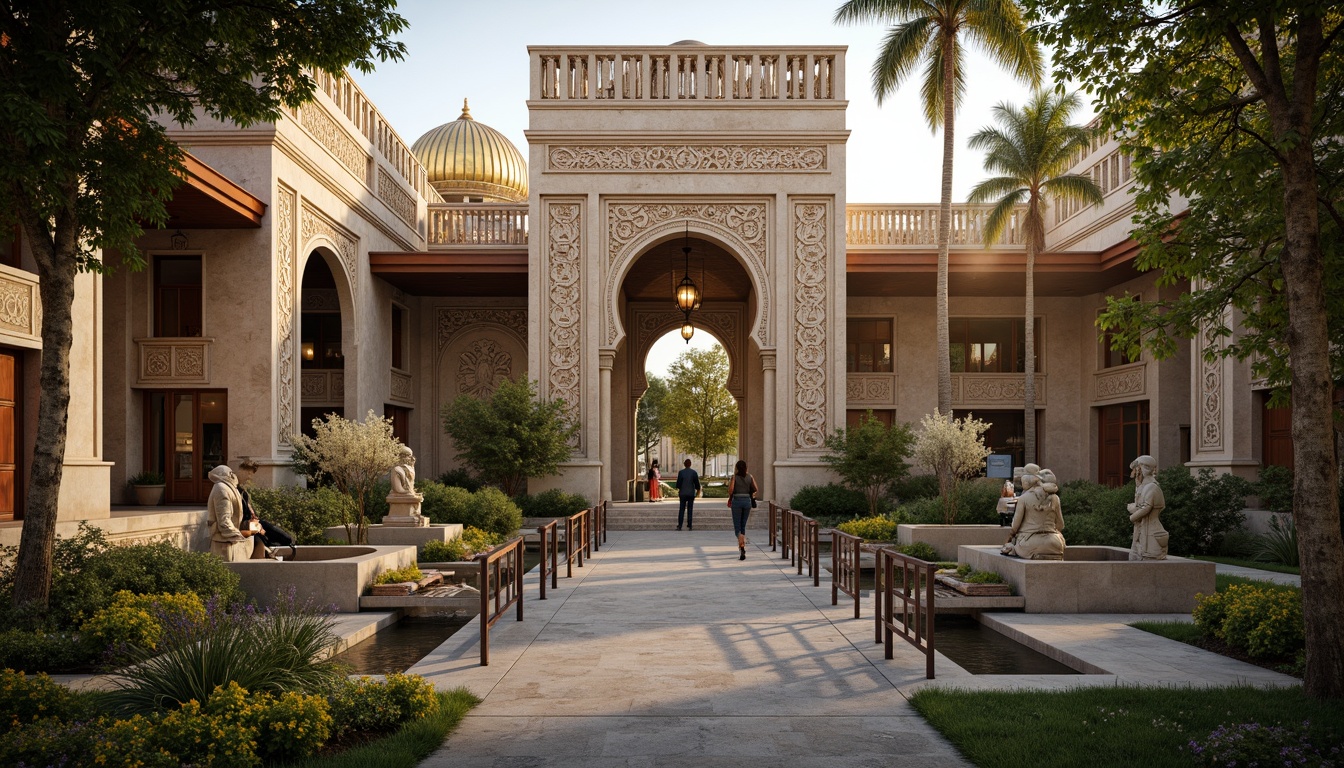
{"x":845,"y":553}
{"x":916,"y":610}
{"x":501,"y":586}
{"x":576,"y":540}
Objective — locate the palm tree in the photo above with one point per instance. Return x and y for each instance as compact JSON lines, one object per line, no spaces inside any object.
{"x":930,"y":31}
{"x":1031,"y":149}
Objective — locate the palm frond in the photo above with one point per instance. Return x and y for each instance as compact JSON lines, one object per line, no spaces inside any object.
{"x":901,"y":50}
{"x":998,"y":27}
{"x":1073,"y":187}
{"x":933,"y":91}
{"x":1001,"y":215}
{"x":896,"y":11}
{"x":994,"y":188}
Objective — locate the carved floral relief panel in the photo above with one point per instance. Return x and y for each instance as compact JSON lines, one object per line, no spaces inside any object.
{"x":867,"y":389}
{"x":1210,"y":404}
{"x":810,"y":310}
{"x":563,"y":355}
{"x":1127,"y":382}
{"x":999,"y":389}
{"x":284,"y":313}
{"x":743,"y":226}
{"x":314,"y":224}
{"x":686,"y":157}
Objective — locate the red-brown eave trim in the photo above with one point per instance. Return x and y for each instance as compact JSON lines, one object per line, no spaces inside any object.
{"x":396,"y":262}
{"x":979,"y":261}
{"x":220,"y":189}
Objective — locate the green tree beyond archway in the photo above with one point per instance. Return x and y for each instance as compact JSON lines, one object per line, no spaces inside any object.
{"x":698,"y":412}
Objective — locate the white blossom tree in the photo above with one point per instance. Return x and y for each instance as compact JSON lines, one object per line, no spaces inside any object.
{"x":954,"y":449}
{"x":353,"y":456}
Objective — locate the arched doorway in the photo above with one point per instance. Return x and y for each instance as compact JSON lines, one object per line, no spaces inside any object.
{"x":656,"y":410}
{"x":325,"y":331}
{"x":647,"y":312}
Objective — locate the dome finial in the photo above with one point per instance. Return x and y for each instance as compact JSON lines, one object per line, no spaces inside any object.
{"x":466,"y":111}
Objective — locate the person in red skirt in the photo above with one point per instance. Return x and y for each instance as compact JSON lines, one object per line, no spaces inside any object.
{"x":655,"y":479}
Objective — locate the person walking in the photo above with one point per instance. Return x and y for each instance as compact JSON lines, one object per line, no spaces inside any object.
{"x":741,"y":499}
{"x":688,"y":485}
{"x":655,"y":482}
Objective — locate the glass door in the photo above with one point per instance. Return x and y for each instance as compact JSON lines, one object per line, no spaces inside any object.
{"x":186,"y":436}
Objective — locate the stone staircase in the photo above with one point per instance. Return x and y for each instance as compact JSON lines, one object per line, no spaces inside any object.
{"x":710,"y":515}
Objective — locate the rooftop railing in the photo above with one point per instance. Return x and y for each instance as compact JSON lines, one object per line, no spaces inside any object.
{"x":878,"y":226}
{"x":676,"y":73}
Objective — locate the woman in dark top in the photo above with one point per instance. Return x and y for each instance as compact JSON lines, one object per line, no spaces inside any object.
{"x":741,"y":498}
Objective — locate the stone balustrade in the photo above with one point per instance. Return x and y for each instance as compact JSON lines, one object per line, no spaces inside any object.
{"x":366,"y":118}
{"x":477,"y":224}
{"x":173,"y":361}
{"x":1111,"y":172}
{"x":894,"y":226}
{"x":688,"y":73}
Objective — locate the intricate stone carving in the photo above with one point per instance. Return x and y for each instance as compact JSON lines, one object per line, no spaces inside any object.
{"x":284,"y":313}
{"x":322,"y":387}
{"x":454,"y":319}
{"x":313,"y":386}
{"x":324,"y":129}
{"x":1125,"y":382}
{"x":16,"y":305}
{"x":809,"y":325}
{"x":482,"y":367}
{"x":190,"y":362}
{"x":337,"y":385}
{"x":564,"y":315}
{"x":687,"y":157}
{"x":401,"y":386}
{"x":390,"y":192}
{"x":314,"y":224}
{"x":744,"y":225}
{"x":1210,"y":391}
{"x":321,"y":300}
{"x":871,"y":389}
{"x":171,"y":362}
{"x":158,"y":362}
{"x":994,"y":388}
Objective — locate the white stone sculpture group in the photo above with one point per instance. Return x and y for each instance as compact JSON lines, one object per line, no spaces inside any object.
{"x":1150,"y":538}
{"x":403,"y":501}
{"x":1037,"y":519}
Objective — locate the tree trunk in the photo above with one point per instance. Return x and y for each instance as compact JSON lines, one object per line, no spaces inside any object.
{"x":1315,"y":486}
{"x":56,"y":270}
{"x":1029,"y":367}
{"x":945,"y":225}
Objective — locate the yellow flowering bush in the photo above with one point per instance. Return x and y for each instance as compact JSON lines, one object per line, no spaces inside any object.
{"x":25,"y":698}
{"x":136,"y":621}
{"x":1264,"y":621}
{"x":409,"y":573}
{"x":876,"y":528}
{"x":372,"y":705}
{"x":294,"y":726}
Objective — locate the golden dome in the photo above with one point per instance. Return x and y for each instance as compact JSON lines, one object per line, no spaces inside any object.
{"x":470,"y":162}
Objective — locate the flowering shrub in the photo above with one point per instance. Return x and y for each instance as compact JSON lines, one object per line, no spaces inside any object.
{"x":876,"y":528}
{"x":294,"y":726}
{"x":1253,"y":744}
{"x":395,"y":575}
{"x":466,"y":546}
{"x":1263,"y":621}
{"x":371,"y":705}
{"x":920,"y":549}
{"x":954,"y":449}
{"x":136,"y":621}
{"x":26,"y":698}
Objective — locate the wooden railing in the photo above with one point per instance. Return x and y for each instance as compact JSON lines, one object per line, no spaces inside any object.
{"x":775,"y":521}
{"x":576,"y":540}
{"x":687,"y":73}
{"x":598,"y":525}
{"x":501,"y":584}
{"x":915,"y":622}
{"x":804,"y":544}
{"x":845,"y":552}
{"x":549,"y":536}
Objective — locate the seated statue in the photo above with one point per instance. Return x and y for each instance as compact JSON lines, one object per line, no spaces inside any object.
{"x":402,"y":501}
{"x":1150,"y":538}
{"x":1038,"y":520}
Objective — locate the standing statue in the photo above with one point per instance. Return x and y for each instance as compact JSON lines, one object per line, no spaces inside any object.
{"x":1037,"y":521}
{"x":1150,"y":538}
{"x":403,"y":502}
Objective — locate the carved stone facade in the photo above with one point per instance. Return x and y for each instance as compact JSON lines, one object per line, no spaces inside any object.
{"x":811,"y":305}
{"x":335,"y":140}
{"x":401,"y":203}
{"x":174,"y":362}
{"x":728,"y":325}
{"x":314,"y":225}
{"x":1210,"y":383}
{"x":400,"y":387}
{"x":284,"y":313}
{"x":20,"y":308}
{"x":322,"y":388}
{"x":1124,"y":383}
{"x":482,"y":367}
{"x":476,"y":348}
{"x":564,"y":307}
{"x":995,"y":389}
{"x":686,"y":157}
{"x":742,"y":225}
{"x":451,"y":320}
{"x":870,"y":389}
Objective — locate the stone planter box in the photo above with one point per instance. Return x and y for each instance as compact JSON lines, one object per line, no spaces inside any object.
{"x":1098,"y":580}
{"x":975,"y":590}
{"x":389,"y":535}
{"x":329,"y":575}
{"x":947,"y":538}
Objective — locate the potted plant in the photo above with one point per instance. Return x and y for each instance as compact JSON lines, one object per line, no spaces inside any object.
{"x":148,"y":487}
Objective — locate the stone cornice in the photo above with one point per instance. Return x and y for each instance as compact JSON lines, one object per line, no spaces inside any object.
{"x":766,"y":138}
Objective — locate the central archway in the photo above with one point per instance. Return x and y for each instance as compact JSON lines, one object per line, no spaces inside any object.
{"x":645,"y":311}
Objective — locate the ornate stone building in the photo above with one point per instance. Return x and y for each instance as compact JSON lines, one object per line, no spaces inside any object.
{"x":323,"y":264}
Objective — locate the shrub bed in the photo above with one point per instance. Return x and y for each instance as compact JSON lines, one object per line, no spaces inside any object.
{"x":879,"y":528}
{"x":306,"y":513}
{"x":1260,"y":620}
{"x":833,"y":501}
{"x":552,"y":503}
{"x":468,"y":545}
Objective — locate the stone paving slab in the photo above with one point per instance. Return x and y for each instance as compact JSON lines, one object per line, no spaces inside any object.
{"x":669,"y":651}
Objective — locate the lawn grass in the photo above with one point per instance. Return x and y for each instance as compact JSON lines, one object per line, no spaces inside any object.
{"x":1101,"y":727}
{"x":1275,"y":567}
{"x":1224,"y":581}
{"x":1180,"y":631}
{"x":414,"y":742}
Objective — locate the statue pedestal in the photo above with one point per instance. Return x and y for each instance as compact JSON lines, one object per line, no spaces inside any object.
{"x":404,"y":512}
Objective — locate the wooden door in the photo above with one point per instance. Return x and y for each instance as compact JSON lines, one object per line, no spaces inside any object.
{"x":1111,"y":467}
{"x":1276,"y":435}
{"x":10,"y":425}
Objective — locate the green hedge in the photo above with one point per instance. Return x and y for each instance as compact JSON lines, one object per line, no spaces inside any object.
{"x":552,"y":503}
{"x":829,"y":501}
{"x":306,"y":513}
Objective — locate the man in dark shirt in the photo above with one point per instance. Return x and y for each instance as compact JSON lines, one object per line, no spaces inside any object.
{"x":688,"y":484}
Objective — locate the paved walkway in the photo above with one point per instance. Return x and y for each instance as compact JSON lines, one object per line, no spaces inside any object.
{"x":1256,"y":573}
{"x":668,"y":651}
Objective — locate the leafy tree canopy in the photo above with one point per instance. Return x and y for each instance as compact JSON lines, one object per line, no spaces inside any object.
{"x":699,"y":413}
{"x":870,"y":457}
{"x":351,"y":455}
{"x":954,"y":449}
{"x":511,"y":436}
{"x":86,"y":88}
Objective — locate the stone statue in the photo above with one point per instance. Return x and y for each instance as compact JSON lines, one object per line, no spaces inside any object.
{"x":1037,"y":521}
{"x":403,"y":502}
{"x":1150,"y":538}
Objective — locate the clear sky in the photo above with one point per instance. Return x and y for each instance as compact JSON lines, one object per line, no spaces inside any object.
{"x":478,"y":51}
